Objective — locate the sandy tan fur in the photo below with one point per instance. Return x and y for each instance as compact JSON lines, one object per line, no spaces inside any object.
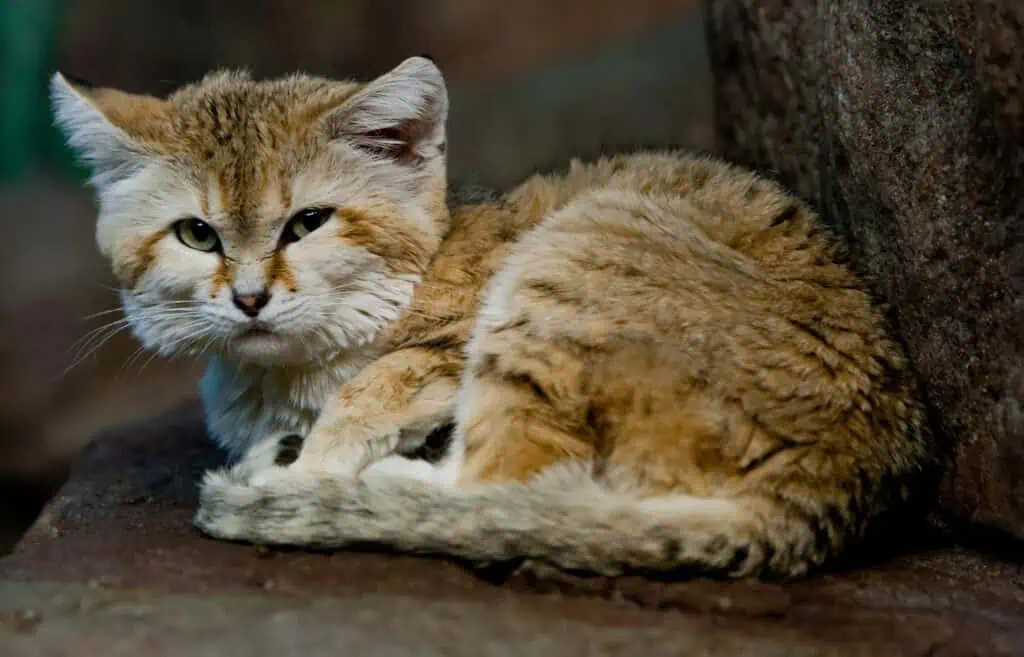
{"x":651,"y":362}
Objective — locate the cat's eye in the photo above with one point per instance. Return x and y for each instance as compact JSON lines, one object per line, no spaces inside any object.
{"x":305,"y":222}
{"x":197,"y":234}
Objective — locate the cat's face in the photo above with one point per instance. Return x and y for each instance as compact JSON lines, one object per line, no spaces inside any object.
{"x":276,"y":222}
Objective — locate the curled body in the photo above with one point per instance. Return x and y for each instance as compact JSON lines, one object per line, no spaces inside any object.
{"x":651,"y":362}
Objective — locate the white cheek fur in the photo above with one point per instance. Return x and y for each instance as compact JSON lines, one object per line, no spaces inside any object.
{"x":343,"y":298}
{"x":167,"y":306}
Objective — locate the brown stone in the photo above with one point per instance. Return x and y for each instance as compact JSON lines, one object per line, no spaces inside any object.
{"x":902,"y":122}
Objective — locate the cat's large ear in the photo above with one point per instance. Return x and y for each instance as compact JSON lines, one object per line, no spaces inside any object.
{"x":112,"y":131}
{"x":400,"y":115}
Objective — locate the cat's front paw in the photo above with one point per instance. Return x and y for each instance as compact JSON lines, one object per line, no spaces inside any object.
{"x":342,"y":461}
{"x":345,"y":453}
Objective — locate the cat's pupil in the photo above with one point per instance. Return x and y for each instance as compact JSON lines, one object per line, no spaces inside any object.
{"x":305,"y":222}
{"x":200,"y":230}
{"x":313,"y":220}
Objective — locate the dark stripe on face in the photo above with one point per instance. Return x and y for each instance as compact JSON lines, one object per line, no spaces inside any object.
{"x":132,"y":269}
{"x":243,"y":186}
{"x":221,"y":278}
{"x":278,"y":270}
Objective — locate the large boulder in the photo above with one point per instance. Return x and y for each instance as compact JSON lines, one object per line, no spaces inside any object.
{"x":904,"y":123}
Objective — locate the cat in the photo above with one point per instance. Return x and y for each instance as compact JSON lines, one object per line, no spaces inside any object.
{"x":648,"y":362}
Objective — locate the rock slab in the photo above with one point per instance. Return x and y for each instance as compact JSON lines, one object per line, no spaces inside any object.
{"x":113,"y":567}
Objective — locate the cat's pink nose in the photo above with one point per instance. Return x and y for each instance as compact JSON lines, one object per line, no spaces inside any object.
{"x":250,"y":304}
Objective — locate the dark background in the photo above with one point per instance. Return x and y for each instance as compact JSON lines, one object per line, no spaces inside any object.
{"x":532,"y":83}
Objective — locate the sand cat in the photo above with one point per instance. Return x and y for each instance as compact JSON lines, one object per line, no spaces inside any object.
{"x":654,"y":362}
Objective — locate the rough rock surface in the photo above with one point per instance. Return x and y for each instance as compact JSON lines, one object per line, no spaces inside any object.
{"x":904,"y":123}
{"x":113,"y":567}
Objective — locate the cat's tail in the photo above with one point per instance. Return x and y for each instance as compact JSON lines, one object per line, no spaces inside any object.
{"x":563,"y":517}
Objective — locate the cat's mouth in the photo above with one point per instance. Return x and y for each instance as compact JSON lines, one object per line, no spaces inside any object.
{"x":256,"y":331}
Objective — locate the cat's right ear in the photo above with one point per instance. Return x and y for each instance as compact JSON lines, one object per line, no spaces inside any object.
{"x":401,"y":115}
{"x":105,"y":127}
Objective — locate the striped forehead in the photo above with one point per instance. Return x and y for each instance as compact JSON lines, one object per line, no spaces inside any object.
{"x":244,"y":199}
{"x":248,"y":189}
{"x":245,"y":142}
{"x":245,"y":152}
{"x":245,"y":190}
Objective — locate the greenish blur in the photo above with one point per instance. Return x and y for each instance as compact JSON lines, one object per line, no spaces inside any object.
{"x":28,"y":34}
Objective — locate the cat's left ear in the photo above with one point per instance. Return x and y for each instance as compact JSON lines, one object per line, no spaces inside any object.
{"x":114,"y":132}
{"x":400,"y":115}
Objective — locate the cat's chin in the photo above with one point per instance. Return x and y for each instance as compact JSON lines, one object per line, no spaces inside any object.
{"x":266,"y":348}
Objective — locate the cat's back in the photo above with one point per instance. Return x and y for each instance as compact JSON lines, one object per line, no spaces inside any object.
{"x":697,"y":239}
{"x":699,"y":206}
{"x":677,"y":194}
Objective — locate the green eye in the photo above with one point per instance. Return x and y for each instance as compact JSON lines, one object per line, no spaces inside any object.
{"x":197,"y":234}
{"x":305,"y":222}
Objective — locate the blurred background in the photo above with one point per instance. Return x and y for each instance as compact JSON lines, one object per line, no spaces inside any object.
{"x":532,"y":83}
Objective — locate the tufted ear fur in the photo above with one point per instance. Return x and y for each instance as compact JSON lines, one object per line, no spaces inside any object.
{"x":112,"y":131}
{"x":400,"y":115}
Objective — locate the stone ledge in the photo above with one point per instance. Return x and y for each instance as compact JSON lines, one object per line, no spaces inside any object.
{"x":114,"y":567}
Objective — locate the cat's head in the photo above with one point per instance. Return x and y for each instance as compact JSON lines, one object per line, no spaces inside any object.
{"x":274,"y":222}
